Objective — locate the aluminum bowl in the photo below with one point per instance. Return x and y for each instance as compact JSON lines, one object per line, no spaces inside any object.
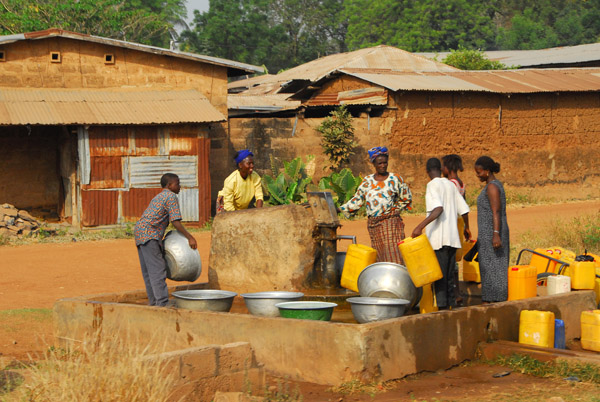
{"x":307,"y":310}
{"x":389,"y":280}
{"x":183,"y":262}
{"x":263,"y":303}
{"x":368,"y":309}
{"x":204,"y":299}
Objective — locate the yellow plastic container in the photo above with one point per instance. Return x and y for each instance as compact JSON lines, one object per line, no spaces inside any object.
{"x":583,"y":274}
{"x":522,"y":282}
{"x":597,"y":287}
{"x":461,"y":229}
{"x":470,"y":269}
{"x":421,"y":262}
{"x":590,"y":330}
{"x":596,"y":259}
{"x":428,"y":302}
{"x":358,"y":257}
{"x":536,"y":328}
{"x":541,"y":263}
{"x":564,"y":254}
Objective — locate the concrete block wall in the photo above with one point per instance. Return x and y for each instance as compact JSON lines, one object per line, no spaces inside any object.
{"x":203,"y":371}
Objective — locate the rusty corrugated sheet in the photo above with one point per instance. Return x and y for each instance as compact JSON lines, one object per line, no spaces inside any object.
{"x":363,"y":96}
{"x":204,"y":186}
{"x":135,"y":201}
{"x":146,"y":171}
{"x":266,"y":102}
{"x":106,"y":173}
{"x":19,"y":106}
{"x":146,"y":140}
{"x":108,"y":141}
{"x":183,"y":143}
{"x":380,"y":57}
{"x":188,"y":204}
{"x":233,"y":67}
{"x":498,"y":81}
{"x":99,"y":207}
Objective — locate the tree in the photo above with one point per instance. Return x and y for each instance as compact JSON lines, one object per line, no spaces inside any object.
{"x":337,"y":137}
{"x":139,"y":21}
{"x":471,"y":60}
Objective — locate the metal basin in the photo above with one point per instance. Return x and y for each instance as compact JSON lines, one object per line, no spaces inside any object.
{"x":183,"y":263}
{"x":263,"y":303}
{"x":368,"y":309}
{"x":307,"y":310}
{"x":388,"y":280}
{"x":204,"y":299}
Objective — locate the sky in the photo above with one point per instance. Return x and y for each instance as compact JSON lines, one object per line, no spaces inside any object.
{"x":192,"y":5}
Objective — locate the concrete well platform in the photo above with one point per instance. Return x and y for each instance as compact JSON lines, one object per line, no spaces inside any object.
{"x":319,"y":352}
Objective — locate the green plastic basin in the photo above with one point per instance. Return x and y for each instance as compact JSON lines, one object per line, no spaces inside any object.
{"x":306,"y":310}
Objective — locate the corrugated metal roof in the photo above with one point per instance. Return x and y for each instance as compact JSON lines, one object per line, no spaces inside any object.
{"x":20,"y":106}
{"x":265,"y":102}
{"x":532,"y":58}
{"x":362,"y":96}
{"x":498,"y":81}
{"x":379,"y":57}
{"x":234,"y":68}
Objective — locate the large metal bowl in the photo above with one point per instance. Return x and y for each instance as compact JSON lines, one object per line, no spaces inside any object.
{"x":263,"y":303}
{"x":183,"y":262}
{"x":389,"y":280}
{"x":204,"y":299}
{"x":307,"y":310}
{"x":368,"y":309}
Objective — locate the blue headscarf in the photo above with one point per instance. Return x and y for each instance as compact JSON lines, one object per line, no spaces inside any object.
{"x":241,"y":155}
{"x":377,"y":151}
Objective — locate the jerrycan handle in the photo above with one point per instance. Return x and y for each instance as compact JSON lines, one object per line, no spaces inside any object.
{"x":347,"y":237}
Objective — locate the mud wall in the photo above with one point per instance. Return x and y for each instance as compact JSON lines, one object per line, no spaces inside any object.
{"x":29,"y":166}
{"x":546,"y":143}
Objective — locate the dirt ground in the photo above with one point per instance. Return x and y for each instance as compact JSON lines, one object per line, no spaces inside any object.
{"x":34,"y":276}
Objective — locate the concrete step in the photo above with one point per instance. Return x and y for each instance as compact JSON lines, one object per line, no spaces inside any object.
{"x":506,"y":348}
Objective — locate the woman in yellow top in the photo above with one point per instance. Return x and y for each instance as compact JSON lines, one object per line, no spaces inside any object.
{"x":241,"y":186}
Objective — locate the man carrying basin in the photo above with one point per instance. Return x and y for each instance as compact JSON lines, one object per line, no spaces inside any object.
{"x":443,"y":203}
{"x":149,"y":232}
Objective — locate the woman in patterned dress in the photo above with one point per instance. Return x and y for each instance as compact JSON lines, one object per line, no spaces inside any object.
{"x":493,"y":235}
{"x":385,"y":196}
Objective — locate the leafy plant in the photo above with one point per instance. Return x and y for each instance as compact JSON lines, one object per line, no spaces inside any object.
{"x":289,"y":186}
{"x":343,"y":185}
{"x":466,"y":59}
{"x":338,"y":137}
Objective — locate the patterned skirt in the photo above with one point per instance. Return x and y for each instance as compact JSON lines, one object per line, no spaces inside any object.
{"x":386,"y":232}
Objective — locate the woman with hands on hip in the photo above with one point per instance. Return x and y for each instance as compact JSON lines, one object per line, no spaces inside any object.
{"x":493,"y":237}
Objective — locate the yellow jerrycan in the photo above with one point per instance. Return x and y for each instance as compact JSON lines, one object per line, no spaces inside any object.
{"x":428,"y":302}
{"x":536,"y":328}
{"x":358,"y":257}
{"x":590,"y":330}
{"x":597,"y":286}
{"x":420,"y":260}
{"x":542,"y":263}
{"x":470,"y":269}
{"x":522,"y":282}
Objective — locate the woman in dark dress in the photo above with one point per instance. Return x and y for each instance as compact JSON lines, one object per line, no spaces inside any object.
{"x":493,"y":236}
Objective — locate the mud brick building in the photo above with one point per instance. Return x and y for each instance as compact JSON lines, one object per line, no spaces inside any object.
{"x":542,"y":125}
{"x":89,"y":124}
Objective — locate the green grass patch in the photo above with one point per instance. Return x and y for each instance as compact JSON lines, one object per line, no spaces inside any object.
{"x":35,"y":314}
{"x":554,"y":369}
{"x":578,"y":235}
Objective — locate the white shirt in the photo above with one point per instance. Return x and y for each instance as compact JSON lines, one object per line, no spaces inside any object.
{"x":444,"y":230}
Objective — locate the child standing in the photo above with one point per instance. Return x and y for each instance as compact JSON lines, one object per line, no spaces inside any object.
{"x":149,"y":232}
{"x":451,"y":165}
{"x":443,"y":204}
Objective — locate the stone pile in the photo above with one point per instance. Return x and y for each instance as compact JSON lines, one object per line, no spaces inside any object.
{"x":19,"y":223}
